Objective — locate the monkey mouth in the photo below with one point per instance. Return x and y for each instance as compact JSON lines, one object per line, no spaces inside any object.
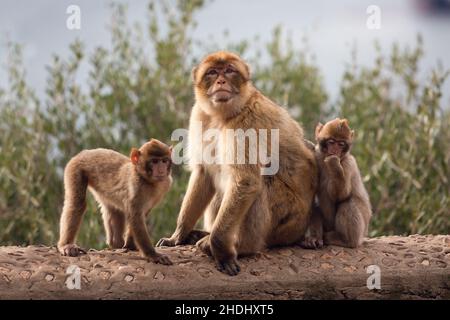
{"x":222,"y":95}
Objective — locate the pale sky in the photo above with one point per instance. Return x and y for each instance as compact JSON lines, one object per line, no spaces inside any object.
{"x":331,"y":26}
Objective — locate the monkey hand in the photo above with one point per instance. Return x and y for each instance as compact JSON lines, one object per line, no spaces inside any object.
{"x":333,"y":162}
{"x":204,"y":245}
{"x":159,"y":258}
{"x":228,"y":266}
{"x":311,"y":242}
{"x":71,"y":250}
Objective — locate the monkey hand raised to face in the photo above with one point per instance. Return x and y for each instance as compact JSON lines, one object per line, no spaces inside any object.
{"x":126,"y":189}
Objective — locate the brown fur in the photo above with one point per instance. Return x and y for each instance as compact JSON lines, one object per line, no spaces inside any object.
{"x":344,"y":211}
{"x":244,"y":210}
{"x":126,"y":191}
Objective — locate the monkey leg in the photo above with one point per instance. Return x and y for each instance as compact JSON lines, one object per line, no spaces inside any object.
{"x":238,"y":233}
{"x":211,"y":212}
{"x":349,"y":227}
{"x":75,"y":185}
{"x":129,"y":240}
{"x":314,"y":235}
{"x":291,"y":228}
{"x":114,"y":221}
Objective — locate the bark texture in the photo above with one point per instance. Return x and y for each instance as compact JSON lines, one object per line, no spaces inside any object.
{"x":414,"y":267}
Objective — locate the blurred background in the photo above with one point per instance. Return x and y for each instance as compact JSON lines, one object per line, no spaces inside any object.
{"x":124,"y":77}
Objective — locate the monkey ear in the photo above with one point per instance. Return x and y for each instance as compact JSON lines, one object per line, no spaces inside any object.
{"x":352,"y":134}
{"x":194,"y":74}
{"x":170,"y":149}
{"x":134,"y":156}
{"x":318,"y":129}
{"x":344,"y":123}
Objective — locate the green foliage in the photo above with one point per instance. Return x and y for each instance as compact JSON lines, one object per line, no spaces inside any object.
{"x":403,"y":141}
{"x":139,"y":87}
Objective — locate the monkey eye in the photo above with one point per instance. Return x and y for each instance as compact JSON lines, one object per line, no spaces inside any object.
{"x":155,"y":160}
{"x":341,"y":144}
{"x":331,"y":141}
{"x":165,"y":160}
{"x":229,"y":71}
{"x":211,"y":72}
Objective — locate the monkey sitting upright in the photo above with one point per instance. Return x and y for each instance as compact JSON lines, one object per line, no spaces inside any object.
{"x":126,"y":189}
{"x":343,"y":213}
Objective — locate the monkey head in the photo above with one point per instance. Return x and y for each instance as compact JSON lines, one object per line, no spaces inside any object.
{"x":153,"y":160}
{"x":221,"y":83}
{"x":334,"y":138}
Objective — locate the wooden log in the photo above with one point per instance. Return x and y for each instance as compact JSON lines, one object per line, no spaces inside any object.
{"x":414,"y":267}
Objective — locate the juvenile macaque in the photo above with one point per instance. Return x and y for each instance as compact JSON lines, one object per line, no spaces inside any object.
{"x":126,"y":190}
{"x":343,"y":213}
{"x":245,"y":211}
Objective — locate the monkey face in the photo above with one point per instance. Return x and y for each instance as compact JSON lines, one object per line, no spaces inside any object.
{"x":334,"y":138}
{"x":332,"y":147}
{"x":222,"y":82}
{"x":158,"y":168}
{"x":153,"y":160}
{"x":219,"y":82}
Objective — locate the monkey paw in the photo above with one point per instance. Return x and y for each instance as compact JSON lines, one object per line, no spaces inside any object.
{"x":311,"y":243}
{"x":71,"y":250}
{"x":332,"y":160}
{"x":166,"y":242}
{"x":204,"y":245}
{"x":130,"y":246}
{"x":162,"y":259}
{"x":230,"y":267}
{"x":194,"y":236}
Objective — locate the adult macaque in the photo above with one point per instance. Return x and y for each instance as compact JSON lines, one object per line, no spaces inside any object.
{"x":245,"y":211}
{"x":126,"y":189}
{"x":344,"y":211}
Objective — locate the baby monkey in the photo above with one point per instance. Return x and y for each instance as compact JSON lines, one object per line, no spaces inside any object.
{"x":126,"y":190}
{"x":343,"y":212}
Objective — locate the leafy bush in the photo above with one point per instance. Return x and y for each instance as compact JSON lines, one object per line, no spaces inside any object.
{"x":140,"y":88}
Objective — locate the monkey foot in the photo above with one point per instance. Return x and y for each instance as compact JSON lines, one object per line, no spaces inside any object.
{"x":194,"y":236}
{"x":311,"y":243}
{"x":204,"y":245}
{"x":71,"y":250}
{"x":162,"y":259}
{"x":230,"y":267}
{"x":130,"y":247}
{"x":166,"y":242}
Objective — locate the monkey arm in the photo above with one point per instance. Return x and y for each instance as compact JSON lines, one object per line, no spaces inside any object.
{"x":339,"y":184}
{"x":139,"y":232}
{"x":199,"y":193}
{"x":240,"y":193}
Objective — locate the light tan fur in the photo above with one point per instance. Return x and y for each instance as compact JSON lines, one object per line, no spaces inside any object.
{"x":344,"y":211}
{"x":125,"y":192}
{"x":245,"y":211}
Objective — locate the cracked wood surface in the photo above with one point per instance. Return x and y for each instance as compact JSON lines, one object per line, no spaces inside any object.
{"x":414,"y":267}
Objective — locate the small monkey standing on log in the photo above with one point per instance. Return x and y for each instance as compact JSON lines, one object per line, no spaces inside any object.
{"x":126,"y":189}
{"x":344,"y":211}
